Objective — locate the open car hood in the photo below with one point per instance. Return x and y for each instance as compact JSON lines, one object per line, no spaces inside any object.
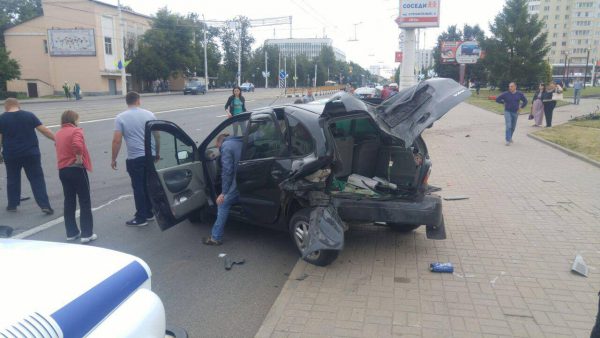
{"x":407,"y":114}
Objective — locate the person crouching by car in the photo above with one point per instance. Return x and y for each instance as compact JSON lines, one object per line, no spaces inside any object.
{"x":73,"y":164}
{"x":236,"y":104}
{"x":231,"y":152}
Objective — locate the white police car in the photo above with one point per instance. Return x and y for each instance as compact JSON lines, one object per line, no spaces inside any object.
{"x":63,"y":290}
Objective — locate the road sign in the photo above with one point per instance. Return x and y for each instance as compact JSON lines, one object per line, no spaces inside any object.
{"x":398,"y":56}
{"x":282,"y":74}
{"x":295,"y":78}
{"x":266,"y":74}
{"x":419,"y":13}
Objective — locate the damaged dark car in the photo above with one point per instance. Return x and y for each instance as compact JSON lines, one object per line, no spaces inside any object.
{"x":312,"y":169}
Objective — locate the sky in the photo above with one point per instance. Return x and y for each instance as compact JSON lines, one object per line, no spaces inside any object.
{"x":376,"y":31}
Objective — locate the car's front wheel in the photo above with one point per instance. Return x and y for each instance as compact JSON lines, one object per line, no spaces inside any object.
{"x":402,"y":227}
{"x":299,"y":225}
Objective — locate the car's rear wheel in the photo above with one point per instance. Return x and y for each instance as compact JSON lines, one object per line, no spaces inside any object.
{"x":299,"y":226}
{"x":403,"y":227}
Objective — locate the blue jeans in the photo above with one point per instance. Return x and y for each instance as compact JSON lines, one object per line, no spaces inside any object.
{"x":218,"y":228}
{"x":577,"y":96}
{"x":33,"y":170}
{"x":510,"y":119}
{"x":137,"y":172}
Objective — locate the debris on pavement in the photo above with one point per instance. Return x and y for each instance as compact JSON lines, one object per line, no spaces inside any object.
{"x":456,"y":198}
{"x":441,"y":267}
{"x":302,"y":277}
{"x":5,"y":231}
{"x":221,"y":255}
{"x":467,"y":135}
{"x":579,"y":266}
{"x":230,"y":262}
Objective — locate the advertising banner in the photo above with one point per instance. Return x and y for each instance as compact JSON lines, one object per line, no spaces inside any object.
{"x":419,"y":14}
{"x":71,"y":42}
{"x":461,"y":52}
{"x":398,"y":56}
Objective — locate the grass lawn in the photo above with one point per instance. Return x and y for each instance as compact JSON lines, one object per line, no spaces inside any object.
{"x":482,"y":101}
{"x":582,"y":136}
{"x":587,"y":92}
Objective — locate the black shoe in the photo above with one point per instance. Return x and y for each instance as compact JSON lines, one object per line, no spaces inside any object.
{"x":136,"y":222}
{"x":11,"y":209}
{"x":48,"y":211}
{"x":211,"y":241}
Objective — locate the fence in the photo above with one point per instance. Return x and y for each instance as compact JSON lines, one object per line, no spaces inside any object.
{"x":317,"y":91}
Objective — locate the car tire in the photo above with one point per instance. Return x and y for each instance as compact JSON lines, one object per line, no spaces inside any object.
{"x":403,"y":227}
{"x":298,"y":227}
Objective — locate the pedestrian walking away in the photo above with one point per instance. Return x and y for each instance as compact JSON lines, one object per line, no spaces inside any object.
{"x":235,"y":105}
{"x":20,"y":150}
{"x":230,"y":148}
{"x":513,"y":101}
{"x":77,"y":91}
{"x":577,"y":87}
{"x":130,"y":125}
{"x":477,"y":86}
{"x":537,"y":106}
{"x":550,"y":102}
{"x":73,"y":161}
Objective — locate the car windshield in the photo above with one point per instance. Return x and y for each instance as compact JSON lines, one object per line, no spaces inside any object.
{"x":194,"y":84}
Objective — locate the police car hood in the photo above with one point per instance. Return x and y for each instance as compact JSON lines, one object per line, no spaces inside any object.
{"x":407,"y":114}
{"x":62,"y":285}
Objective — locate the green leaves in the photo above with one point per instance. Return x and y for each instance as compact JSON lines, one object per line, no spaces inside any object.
{"x":9,"y":68}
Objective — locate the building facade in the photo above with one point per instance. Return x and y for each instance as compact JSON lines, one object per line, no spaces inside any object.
{"x":309,"y":47}
{"x":424,"y":59}
{"x":573,"y":28}
{"x":73,"y":41}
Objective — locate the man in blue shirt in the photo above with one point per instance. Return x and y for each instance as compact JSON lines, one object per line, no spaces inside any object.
{"x":21,"y":150}
{"x":231,"y":152}
{"x":578,"y":86}
{"x":512,"y":105}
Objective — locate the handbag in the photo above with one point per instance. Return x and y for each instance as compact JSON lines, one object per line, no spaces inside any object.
{"x":557,"y":96}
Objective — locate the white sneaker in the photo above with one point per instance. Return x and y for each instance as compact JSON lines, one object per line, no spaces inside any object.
{"x":73,"y":238}
{"x":507,"y":143}
{"x":93,"y":237}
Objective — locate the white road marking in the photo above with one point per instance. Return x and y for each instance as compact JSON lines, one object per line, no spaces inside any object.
{"x":221,"y":115}
{"x":61,"y":219}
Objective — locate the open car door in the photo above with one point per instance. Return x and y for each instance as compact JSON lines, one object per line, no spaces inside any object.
{"x":175,"y":182}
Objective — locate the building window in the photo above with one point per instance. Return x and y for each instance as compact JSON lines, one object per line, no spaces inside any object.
{"x":108,"y":46}
{"x":46,"y":46}
{"x":553,"y":43}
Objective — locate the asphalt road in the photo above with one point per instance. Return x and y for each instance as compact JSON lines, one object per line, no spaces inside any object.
{"x":199,"y":294}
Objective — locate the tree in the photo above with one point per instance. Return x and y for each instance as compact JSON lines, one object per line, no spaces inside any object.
{"x":518,"y":48}
{"x":9,"y":69}
{"x":469,"y":33}
{"x":230,"y":39}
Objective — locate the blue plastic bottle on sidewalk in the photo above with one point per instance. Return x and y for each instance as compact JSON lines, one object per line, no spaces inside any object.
{"x":441,"y":267}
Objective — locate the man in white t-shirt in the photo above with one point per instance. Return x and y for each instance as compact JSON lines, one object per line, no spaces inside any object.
{"x":130,"y":125}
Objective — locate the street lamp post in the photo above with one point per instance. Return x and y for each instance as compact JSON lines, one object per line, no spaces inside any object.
{"x":568,"y":65}
{"x":205,"y":54}
{"x":565,"y":70}
{"x":587,"y":62}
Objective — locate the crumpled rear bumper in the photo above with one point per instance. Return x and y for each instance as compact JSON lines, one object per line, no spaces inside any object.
{"x":426,"y":212}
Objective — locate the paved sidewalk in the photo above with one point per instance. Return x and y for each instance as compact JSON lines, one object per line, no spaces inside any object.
{"x":532,"y":208}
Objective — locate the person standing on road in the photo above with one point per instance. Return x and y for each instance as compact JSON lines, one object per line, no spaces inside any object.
{"x":131,"y":125}
{"x":67,"y":90}
{"x":549,"y":103}
{"x":537,"y":106}
{"x":513,"y":101}
{"x":231,"y":151}
{"x":73,"y":164}
{"x":77,"y":91}
{"x":578,"y":86}
{"x":21,"y":150}
{"x":385,"y":92}
{"x":309,"y":97}
{"x":235,"y":105}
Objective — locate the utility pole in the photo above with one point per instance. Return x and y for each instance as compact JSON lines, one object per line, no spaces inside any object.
{"x":279,"y":71}
{"x":587,"y":62}
{"x":285,"y":71}
{"x":290,"y":26}
{"x":295,"y":73}
{"x":239,"y":75}
{"x":205,"y":54}
{"x":123,"y":75}
{"x":266,"y":70}
{"x":315,"y":80}
{"x":355,"y":36}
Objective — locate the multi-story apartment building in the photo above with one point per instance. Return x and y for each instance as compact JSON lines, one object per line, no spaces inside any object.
{"x":573,"y":28}
{"x":309,"y":47}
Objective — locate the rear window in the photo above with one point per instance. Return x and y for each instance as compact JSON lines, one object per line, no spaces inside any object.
{"x":302,"y":142}
{"x":357,"y":128}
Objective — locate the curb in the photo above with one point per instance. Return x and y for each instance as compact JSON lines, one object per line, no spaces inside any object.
{"x":270,"y":322}
{"x":566,"y":151}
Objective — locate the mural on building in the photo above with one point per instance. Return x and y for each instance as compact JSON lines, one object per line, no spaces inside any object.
{"x":71,"y":42}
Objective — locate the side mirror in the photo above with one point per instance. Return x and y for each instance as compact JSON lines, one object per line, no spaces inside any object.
{"x":183,"y":155}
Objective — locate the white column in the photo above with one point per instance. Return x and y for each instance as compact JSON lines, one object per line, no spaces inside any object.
{"x":122,"y":48}
{"x":407,"y":73}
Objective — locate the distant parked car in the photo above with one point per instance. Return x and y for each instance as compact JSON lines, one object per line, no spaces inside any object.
{"x":366,"y":92}
{"x":247,"y":87}
{"x":194,"y":88}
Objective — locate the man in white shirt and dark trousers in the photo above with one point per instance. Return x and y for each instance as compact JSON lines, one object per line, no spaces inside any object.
{"x":130,"y":125}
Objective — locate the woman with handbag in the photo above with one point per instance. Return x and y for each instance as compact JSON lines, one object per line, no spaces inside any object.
{"x":553,"y":92}
{"x":537,"y":108}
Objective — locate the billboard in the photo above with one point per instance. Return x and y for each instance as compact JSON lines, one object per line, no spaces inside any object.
{"x":71,"y":42}
{"x":419,"y":14}
{"x":462,"y":52}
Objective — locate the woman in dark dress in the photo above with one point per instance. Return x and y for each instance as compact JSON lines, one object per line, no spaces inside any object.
{"x":549,"y":103}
